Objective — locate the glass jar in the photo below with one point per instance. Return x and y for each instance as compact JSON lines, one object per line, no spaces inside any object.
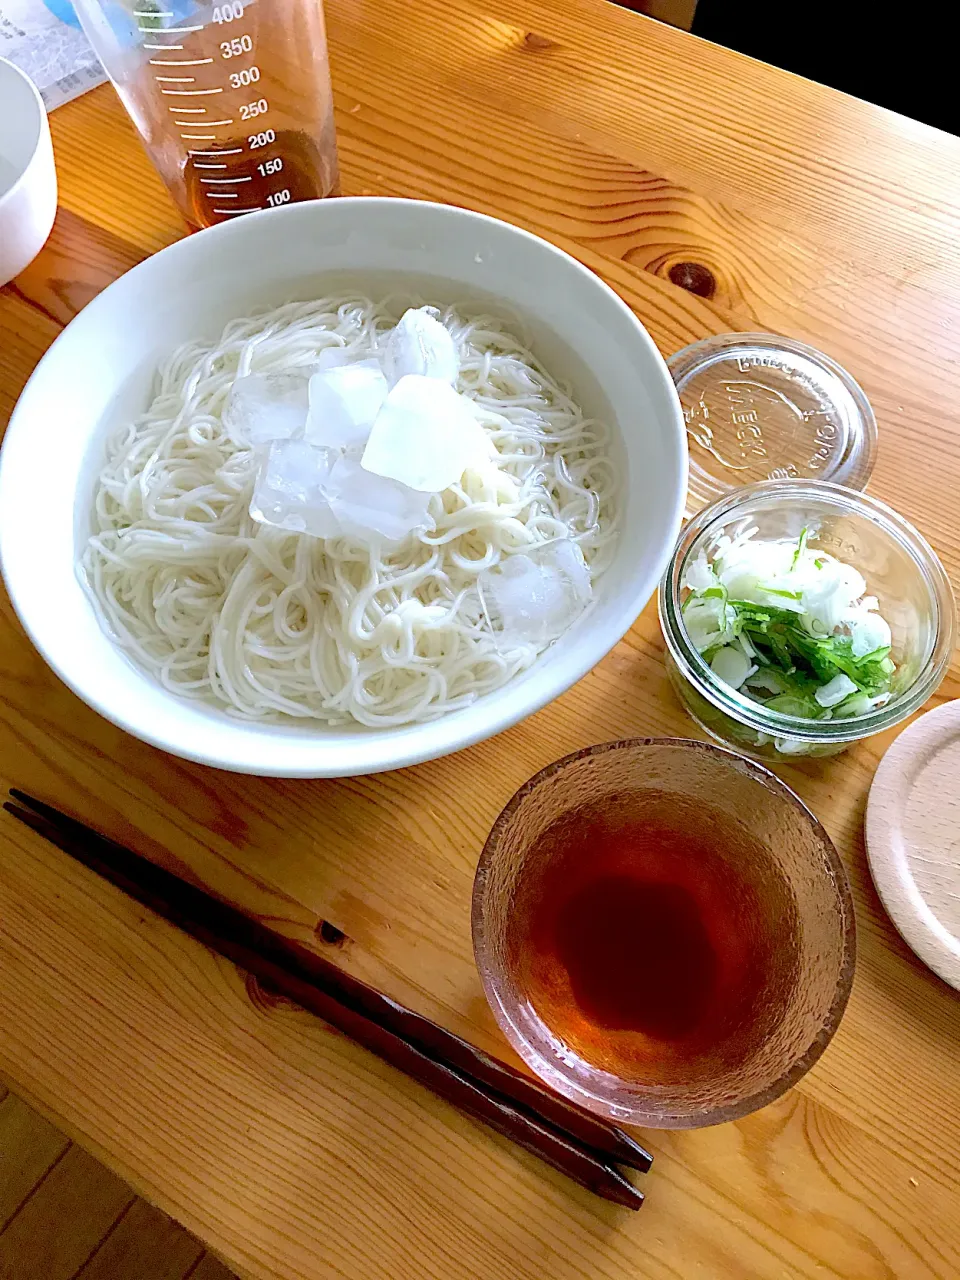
{"x":759,"y":406}
{"x":900,"y":569}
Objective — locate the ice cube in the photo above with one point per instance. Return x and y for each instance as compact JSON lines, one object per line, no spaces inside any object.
{"x":425,"y":436}
{"x":368,"y":505}
{"x":566,"y":556}
{"x":420,"y":344}
{"x":331,"y":358}
{"x":292,"y":489}
{"x":339,"y":357}
{"x":266,"y":406}
{"x":533,"y":598}
{"x":344,"y":401}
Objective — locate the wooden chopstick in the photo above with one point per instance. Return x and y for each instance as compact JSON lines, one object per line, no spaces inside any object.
{"x":606,"y":1139}
{"x":578,"y":1144}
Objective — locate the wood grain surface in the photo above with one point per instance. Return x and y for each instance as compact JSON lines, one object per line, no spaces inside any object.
{"x":64,"y":1216}
{"x":291,"y":1152}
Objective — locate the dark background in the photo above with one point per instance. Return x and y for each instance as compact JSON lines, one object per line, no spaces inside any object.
{"x":902,"y":56}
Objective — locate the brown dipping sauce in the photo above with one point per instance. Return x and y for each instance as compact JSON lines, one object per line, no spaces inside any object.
{"x":644,"y":946}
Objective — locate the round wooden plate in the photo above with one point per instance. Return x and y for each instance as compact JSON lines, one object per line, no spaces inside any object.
{"x":913,"y":838}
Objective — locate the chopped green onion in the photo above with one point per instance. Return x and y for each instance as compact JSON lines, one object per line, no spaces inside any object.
{"x":801,"y":544}
{"x":793,"y":658}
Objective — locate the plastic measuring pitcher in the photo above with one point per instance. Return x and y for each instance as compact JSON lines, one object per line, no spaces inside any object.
{"x":232,"y":99}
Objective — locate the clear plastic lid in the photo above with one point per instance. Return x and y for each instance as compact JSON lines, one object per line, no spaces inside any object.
{"x":762,"y":407}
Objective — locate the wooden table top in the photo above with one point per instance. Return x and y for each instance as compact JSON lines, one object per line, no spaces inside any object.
{"x":294,"y":1154}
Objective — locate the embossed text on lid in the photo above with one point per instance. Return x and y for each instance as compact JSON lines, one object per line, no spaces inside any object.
{"x":759,"y":407}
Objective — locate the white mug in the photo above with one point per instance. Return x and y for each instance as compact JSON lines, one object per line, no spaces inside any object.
{"x":28,"y":180}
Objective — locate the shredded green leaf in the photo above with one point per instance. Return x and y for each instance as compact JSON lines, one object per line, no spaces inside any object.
{"x":806,"y":661}
{"x":793,"y":662}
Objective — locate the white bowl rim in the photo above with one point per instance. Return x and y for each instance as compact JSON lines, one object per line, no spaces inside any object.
{"x":40,"y":128}
{"x":408,"y":744}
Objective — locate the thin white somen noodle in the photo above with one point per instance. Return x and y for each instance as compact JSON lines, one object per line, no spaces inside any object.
{"x":270,"y":623}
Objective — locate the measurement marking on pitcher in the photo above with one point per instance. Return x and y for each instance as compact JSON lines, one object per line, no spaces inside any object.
{"x":165,"y":47}
{"x":188,"y":111}
{"x":199,"y":137}
{"x":252,"y":209}
{"x":233,"y":151}
{"x":175,"y":79}
{"x":162,"y":31}
{"x":230,"y":180}
{"x":154,"y":13}
{"x":177,"y":62}
{"x":212,"y":122}
{"x":189,"y":93}
{"x":198,"y":165}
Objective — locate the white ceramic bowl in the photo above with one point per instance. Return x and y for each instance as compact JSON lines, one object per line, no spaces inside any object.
{"x":99,"y":373}
{"x":28,"y":180}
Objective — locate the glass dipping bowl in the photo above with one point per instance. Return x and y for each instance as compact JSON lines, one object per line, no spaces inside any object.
{"x":900,"y":569}
{"x":778,"y":851}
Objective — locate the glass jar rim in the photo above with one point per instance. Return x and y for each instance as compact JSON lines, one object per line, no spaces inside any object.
{"x":737,"y":705}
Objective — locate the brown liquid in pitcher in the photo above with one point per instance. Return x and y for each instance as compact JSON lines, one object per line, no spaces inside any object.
{"x":645,"y":947}
{"x":227,"y":179}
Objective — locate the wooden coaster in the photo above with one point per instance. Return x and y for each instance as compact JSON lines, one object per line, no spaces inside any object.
{"x":913,"y":838}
